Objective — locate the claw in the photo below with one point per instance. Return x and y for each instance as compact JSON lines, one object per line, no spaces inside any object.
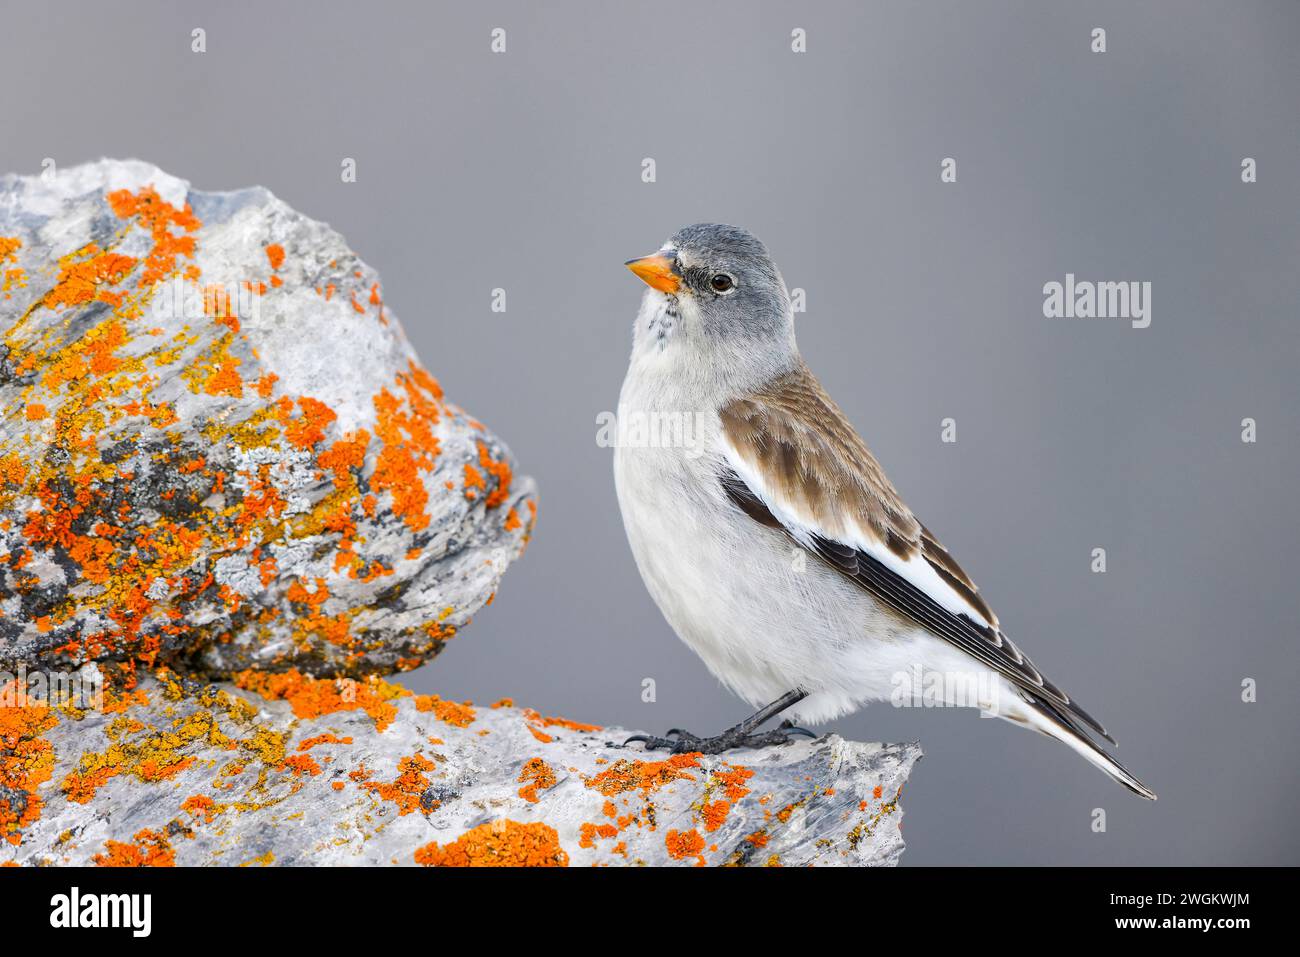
{"x":652,"y":742}
{"x":795,"y":729}
{"x":681,"y":741}
{"x":767,"y":739}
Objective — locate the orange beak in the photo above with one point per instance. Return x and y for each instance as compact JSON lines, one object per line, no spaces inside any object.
{"x":658,"y":271}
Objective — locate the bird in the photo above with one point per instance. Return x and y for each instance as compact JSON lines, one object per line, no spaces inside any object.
{"x":770,"y":537}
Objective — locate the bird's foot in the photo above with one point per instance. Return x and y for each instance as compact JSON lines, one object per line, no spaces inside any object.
{"x":678,"y":741}
{"x":789,"y":727}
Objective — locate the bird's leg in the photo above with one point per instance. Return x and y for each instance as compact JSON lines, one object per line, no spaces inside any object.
{"x":740,"y":736}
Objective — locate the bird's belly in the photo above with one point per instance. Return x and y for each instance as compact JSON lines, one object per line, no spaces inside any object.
{"x":765,"y":616}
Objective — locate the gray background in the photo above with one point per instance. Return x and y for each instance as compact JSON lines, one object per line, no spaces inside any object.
{"x":924,"y":301}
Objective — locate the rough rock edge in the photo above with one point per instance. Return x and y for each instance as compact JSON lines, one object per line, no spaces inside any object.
{"x":218,"y":775}
{"x":463,"y":558}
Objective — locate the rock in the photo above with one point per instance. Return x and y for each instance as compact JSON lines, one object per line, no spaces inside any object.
{"x":220,"y":458}
{"x":286,"y":769}
{"x":218,"y":448}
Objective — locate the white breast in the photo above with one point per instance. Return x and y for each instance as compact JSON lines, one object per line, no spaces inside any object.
{"x":764,"y":616}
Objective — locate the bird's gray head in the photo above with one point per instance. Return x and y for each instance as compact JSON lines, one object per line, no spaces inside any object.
{"x":715,"y":297}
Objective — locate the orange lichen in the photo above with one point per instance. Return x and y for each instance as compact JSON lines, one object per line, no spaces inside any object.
{"x":217,"y":304}
{"x":473,"y":481}
{"x":345,"y":454}
{"x":683,"y":844}
{"x":308,"y":743}
{"x":733,"y":780}
{"x":80,"y":787}
{"x":151,"y":849}
{"x":275,"y":255}
{"x":536,"y":775}
{"x":13,"y":279}
{"x":536,"y":722}
{"x":458,"y":715}
{"x":158,"y":216}
{"x":512,"y":521}
{"x":26,"y":761}
{"x":200,"y":805}
{"x":500,"y":470}
{"x":408,"y":789}
{"x":409,"y":447}
{"x":299,"y":593}
{"x":501,"y":843}
{"x":13,"y":471}
{"x":150,"y":770}
{"x":629,"y":775}
{"x":312,"y":697}
{"x":589,"y":833}
{"x":714,"y":814}
{"x":80,"y":278}
{"x":308,"y":429}
{"x":301,"y":764}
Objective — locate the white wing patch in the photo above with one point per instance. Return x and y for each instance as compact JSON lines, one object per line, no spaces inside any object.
{"x":804,"y":527}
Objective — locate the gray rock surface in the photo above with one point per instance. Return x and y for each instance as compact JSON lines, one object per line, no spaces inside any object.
{"x":217,"y":447}
{"x":291,"y":770}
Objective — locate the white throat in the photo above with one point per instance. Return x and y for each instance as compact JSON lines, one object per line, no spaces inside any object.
{"x":673,"y":363}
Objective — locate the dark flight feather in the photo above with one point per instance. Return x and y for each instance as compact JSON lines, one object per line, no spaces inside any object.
{"x":795,"y":438}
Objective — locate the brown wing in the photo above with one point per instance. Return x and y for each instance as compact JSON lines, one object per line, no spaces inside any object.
{"x":800,"y":466}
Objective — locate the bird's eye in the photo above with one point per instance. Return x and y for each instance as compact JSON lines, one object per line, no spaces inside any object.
{"x":721,"y":282}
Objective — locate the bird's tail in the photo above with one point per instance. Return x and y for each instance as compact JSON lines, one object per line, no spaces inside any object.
{"x":1047,"y":718}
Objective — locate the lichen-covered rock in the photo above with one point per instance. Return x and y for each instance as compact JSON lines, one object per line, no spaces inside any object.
{"x":284,"y":769}
{"x":217,"y":445}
